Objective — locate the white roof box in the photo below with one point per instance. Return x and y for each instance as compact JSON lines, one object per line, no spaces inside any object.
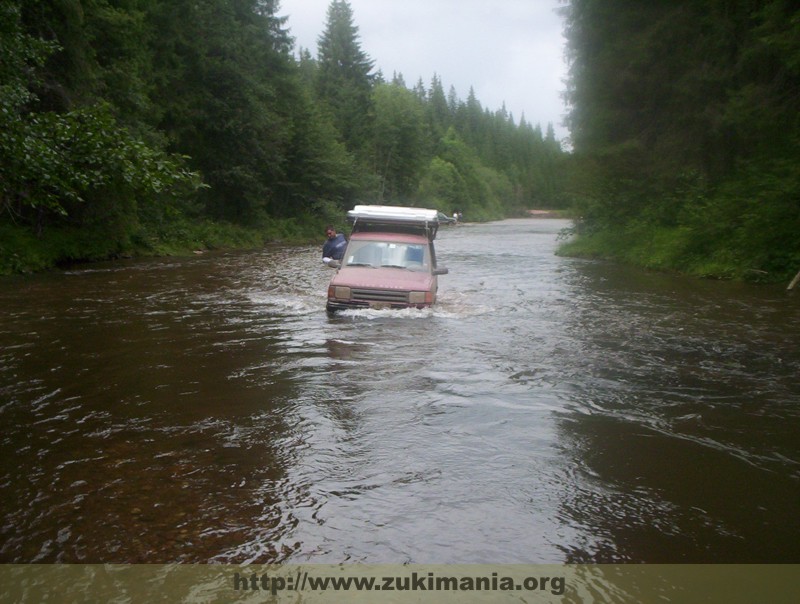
{"x":393,"y":214}
{"x":397,"y":219}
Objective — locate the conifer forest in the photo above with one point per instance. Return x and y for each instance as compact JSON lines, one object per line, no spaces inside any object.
{"x":147,"y":127}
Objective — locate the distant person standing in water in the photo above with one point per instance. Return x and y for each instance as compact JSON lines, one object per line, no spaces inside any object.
{"x":334,"y":246}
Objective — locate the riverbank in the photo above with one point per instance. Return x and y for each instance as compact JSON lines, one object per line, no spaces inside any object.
{"x":548,"y":214}
{"x":22,"y":252}
{"x":676,"y":250}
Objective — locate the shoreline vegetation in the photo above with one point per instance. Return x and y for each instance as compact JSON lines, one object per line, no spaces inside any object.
{"x":21,"y":252}
{"x":172,"y":127}
{"x":662,"y":250}
{"x":168,"y":127}
{"x":684,"y":129}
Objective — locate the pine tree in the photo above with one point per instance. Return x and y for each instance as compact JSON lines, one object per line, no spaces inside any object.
{"x":438,"y":110}
{"x":399,"y":141}
{"x":684,"y":118}
{"x":344,"y":81}
{"x":226,"y":82}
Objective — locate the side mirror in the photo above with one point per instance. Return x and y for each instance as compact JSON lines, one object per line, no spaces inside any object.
{"x":334,"y":264}
{"x":440,"y":271}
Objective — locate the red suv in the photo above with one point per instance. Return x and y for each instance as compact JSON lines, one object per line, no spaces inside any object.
{"x":389,"y":262}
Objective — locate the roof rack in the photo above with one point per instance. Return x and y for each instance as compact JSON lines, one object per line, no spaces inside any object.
{"x":394,"y":219}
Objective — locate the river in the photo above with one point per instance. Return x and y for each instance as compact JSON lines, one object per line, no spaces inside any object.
{"x":548,"y":410}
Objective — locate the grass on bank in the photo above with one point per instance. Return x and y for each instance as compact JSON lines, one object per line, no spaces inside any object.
{"x":682,"y":250}
{"x":21,"y":251}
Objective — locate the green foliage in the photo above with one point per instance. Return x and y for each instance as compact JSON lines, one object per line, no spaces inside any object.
{"x":154,"y":126}
{"x":320,"y":171}
{"x":224,"y":83}
{"x":457,"y":180}
{"x":399,"y":141}
{"x":54,"y":161}
{"x":57,"y":164}
{"x":344,"y":82}
{"x":684,"y":118}
{"x":443,"y":186}
{"x":20,"y":55}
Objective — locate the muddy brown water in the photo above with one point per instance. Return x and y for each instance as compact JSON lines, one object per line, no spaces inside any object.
{"x":548,"y":410}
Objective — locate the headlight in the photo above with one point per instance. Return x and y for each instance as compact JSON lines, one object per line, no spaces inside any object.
{"x":342,"y":293}
{"x":417,"y":297}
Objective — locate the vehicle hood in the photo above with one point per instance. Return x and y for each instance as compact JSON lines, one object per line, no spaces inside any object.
{"x":383,"y":278}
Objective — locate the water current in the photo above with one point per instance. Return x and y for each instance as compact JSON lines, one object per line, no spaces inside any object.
{"x":547,"y":410}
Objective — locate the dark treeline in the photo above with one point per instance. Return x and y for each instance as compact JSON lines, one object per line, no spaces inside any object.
{"x":144,"y":126}
{"x":685,"y":121}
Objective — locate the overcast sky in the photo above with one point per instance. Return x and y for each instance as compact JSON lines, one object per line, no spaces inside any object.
{"x":509,"y":51}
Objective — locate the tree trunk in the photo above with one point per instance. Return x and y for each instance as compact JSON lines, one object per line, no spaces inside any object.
{"x":794,"y":281}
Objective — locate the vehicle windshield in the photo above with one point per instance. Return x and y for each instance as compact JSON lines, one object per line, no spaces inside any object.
{"x":411,"y":256}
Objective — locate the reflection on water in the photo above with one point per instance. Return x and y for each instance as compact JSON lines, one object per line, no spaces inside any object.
{"x":686,"y":420}
{"x":547,"y":410}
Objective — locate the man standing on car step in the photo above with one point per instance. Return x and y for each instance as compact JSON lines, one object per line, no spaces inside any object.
{"x":334,"y":246}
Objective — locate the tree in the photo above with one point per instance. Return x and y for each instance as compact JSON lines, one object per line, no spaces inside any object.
{"x":684,"y":121}
{"x":344,"y":82}
{"x":321,"y":176}
{"x":482,"y":191}
{"x":225,"y":83}
{"x":67,"y":158}
{"x":399,"y":141}
{"x":439,"y":118}
{"x":111,"y":111}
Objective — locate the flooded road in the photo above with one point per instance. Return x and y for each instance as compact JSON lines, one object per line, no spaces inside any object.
{"x":549,"y":410}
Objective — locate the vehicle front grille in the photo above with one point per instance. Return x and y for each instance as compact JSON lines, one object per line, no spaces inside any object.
{"x":380,"y":295}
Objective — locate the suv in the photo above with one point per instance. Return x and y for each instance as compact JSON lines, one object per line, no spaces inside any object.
{"x":389,"y":262}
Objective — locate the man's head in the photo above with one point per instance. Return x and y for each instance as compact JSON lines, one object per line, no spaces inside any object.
{"x":330,"y":232}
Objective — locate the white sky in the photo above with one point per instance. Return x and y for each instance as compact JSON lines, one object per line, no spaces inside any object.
{"x":509,"y":51}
